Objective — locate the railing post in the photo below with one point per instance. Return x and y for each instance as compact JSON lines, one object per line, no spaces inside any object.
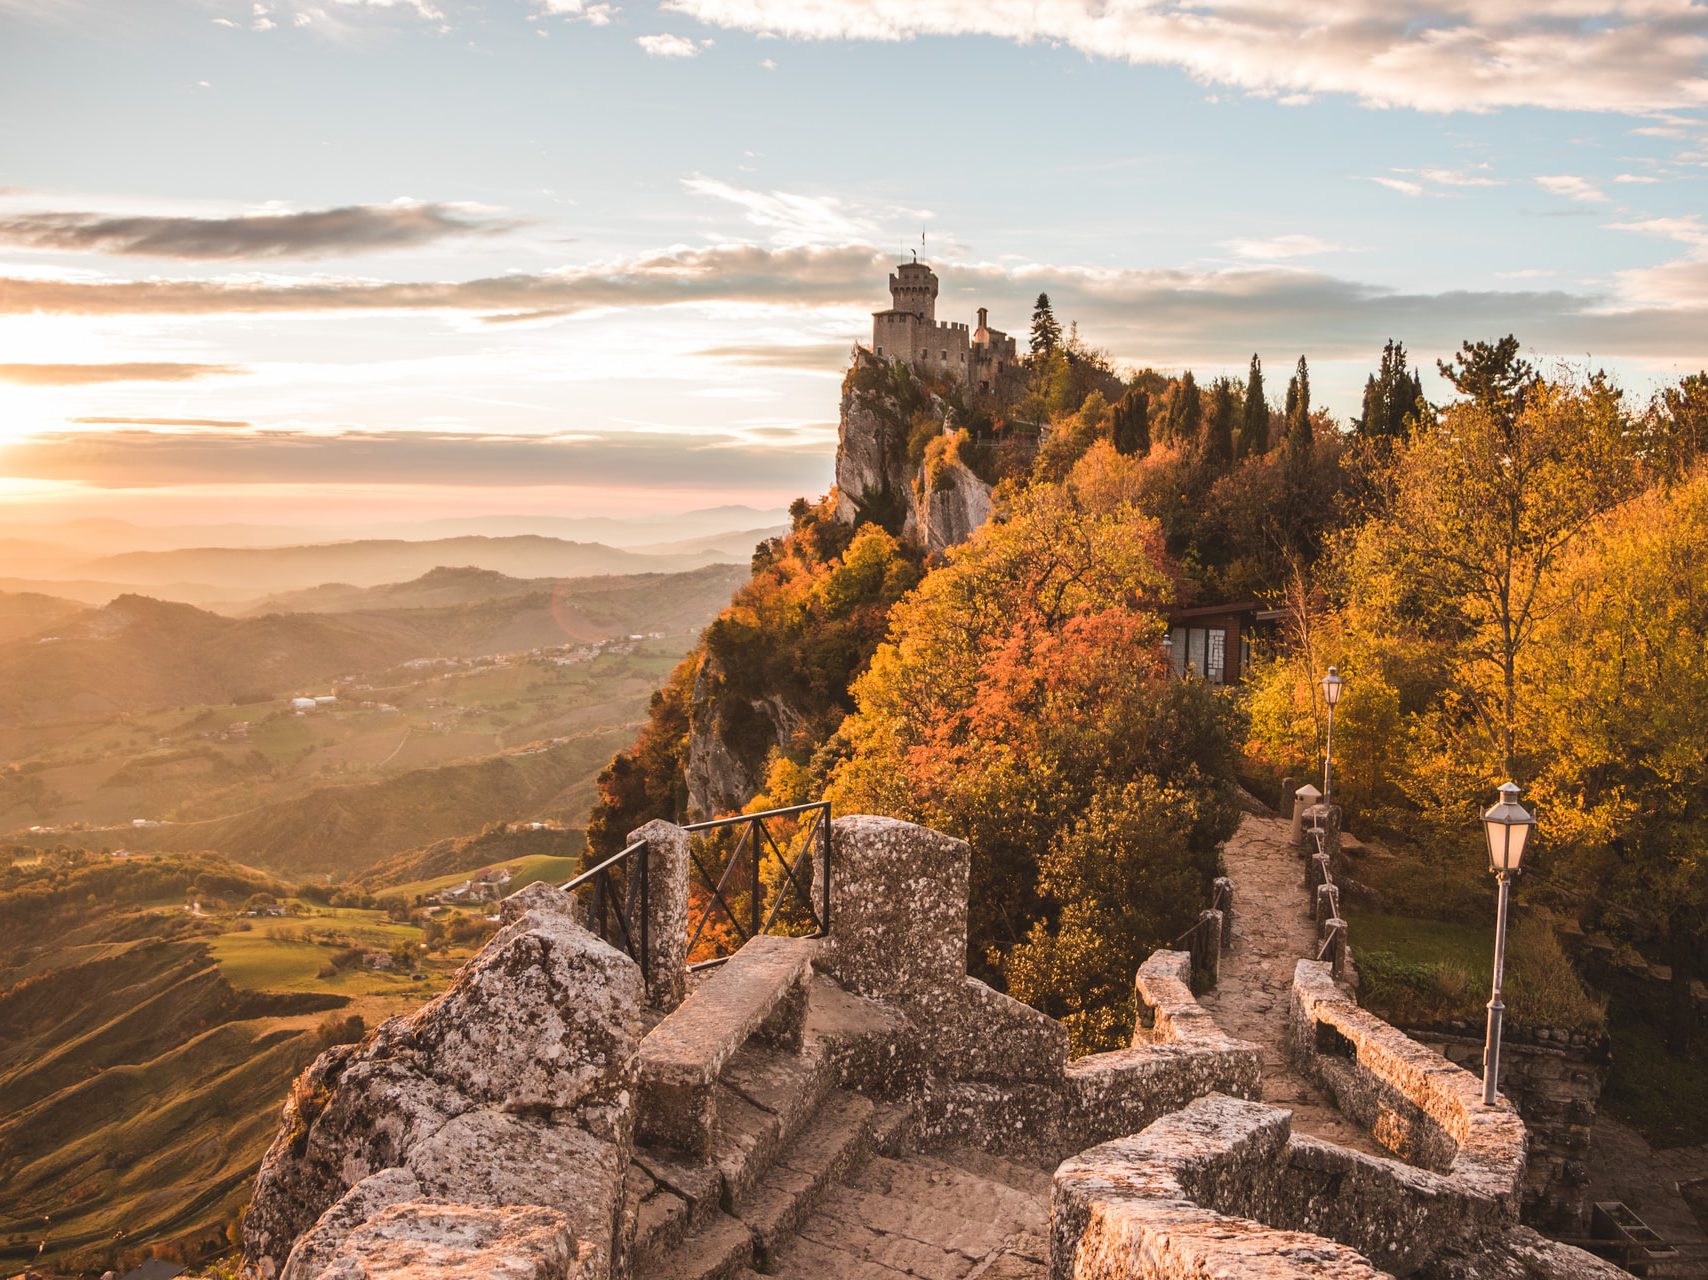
{"x":1334,"y":934}
{"x":659,"y":927}
{"x":646,"y":915}
{"x":1328,"y":902}
{"x":1224,"y":899}
{"x":1209,"y":933}
{"x":824,"y":845}
{"x":758,"y":905}
{"x":1304,"y":800}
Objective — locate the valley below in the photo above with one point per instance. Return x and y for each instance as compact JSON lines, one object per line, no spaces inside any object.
{"x":230,"y":839}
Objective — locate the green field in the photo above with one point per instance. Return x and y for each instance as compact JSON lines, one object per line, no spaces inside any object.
{"x":523,"y":872}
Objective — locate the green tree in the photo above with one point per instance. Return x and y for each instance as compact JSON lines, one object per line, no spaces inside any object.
{"x":1299,"y":433}
{"x":1219,"y":443}
{"x":1023,"y":678}
{"x":1679,"y":417}
{"x":1492,"y":375}
{"x":1480,"y":511}
{"x":1185,"y":412}
{"x":1046,"y":330}
{"x":1254,"y":424}
{"x":1131,"y":423}
{"x":1391,"y":397}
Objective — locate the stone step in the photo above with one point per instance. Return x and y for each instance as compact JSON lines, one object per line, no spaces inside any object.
{"x":676,"y":1241}
{"x":842,"y":1134}
{"x":925,"y":1216}
{"x":718,"y":1249}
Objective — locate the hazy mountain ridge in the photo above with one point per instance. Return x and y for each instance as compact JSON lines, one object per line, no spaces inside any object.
{"x":371,"y":562}
{"x":138,"y":653}
{"x":341,"y":831}
{"x":27,"y":613}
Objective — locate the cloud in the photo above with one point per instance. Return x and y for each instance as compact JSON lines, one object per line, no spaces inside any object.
{"x":801,"y":276}
{"x":1161,"y":317}
{"x":1643,"y":178}
{"x":791,"y":458}
{"x":816,"y":357}
{"x":1575,"y":55}
{"x":792,"y":219}
{"x":78,"y":375}
{"x":1681,"y":283}
{"x":313,"y":233}
{"x":1401,"y":185}
{"x":596,"y":15}
{"x":1572,"y":187}
{"x":210,"y":423}
{"x":1288,"y":246}
{"x":668,"y":46}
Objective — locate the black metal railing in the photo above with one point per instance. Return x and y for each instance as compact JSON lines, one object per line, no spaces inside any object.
{"x":614,"y":894}
{"x":729,"y":859}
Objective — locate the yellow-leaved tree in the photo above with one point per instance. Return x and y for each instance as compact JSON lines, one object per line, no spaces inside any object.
{"x":1620,"y":689}
{"x":1021,"y":703}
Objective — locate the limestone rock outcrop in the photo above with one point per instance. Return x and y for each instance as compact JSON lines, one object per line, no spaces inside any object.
{"x":513,"y":1087}
{"x":949,"y":505}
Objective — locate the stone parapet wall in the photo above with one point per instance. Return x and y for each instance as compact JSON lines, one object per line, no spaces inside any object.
{"x":1223,"y":1188}
{"x":1415,"y":1102}
{"x":978,"y":1066}
{"x":1557,"y":1090}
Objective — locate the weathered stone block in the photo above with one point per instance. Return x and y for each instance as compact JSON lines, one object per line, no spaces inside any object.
{"x":667,"y":859}
{"x":546,"y":1017}
{"x":898,"y":911}
{"x":762,"y":987}
{"x":426,"y":1241}
{"x":491,"y":1157}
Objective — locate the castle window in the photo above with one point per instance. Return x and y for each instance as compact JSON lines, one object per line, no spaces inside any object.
{"x":880,"y":351}
{"x":944,"y":356}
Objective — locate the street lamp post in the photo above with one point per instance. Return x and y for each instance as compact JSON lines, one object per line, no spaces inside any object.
{"x":1507,"y":827}
{"x":1333,"y":686}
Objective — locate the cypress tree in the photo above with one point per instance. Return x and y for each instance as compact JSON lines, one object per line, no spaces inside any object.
{"x":1131,"y":423}
{"x":1391,"y":396}
{"x":1220,"y":443}
{"x":1046,"y":331}
{"x":1299,"y":417}
{"x":1185,"y":411}
{"x":1254,"y":426}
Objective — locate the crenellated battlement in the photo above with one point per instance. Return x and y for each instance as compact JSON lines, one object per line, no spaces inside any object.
{"x":909,"y":331}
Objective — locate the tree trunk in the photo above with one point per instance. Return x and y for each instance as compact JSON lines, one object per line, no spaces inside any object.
{"x":1681,"y":1006}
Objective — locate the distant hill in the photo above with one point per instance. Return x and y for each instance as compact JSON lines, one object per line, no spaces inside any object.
{"x":372,"y":562}
{"x":644,"y":601}
{"x":25,"y":613}
{"x":457,"y":855}
{"x":86,"y":591}
{"x":344,"y":831}
{"x":139,"y":654}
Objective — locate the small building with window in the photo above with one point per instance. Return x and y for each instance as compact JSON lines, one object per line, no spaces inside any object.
{"x":1214,"y":640}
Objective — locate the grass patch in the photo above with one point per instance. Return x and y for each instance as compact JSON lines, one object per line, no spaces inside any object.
{"x":1663,"y":1097}
{"x":1437,"y":972}
{"x":523,"y":872}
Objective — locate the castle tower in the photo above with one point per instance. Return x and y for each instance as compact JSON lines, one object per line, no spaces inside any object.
{"x":913,"y":288}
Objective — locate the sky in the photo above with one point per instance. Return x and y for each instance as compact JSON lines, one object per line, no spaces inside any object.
{"x":323,"y":259}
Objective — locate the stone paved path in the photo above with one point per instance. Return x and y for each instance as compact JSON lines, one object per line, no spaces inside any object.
{"x":956,"y":1215}
{"x":1624,"y":1167}
{"x":1272,"y":933}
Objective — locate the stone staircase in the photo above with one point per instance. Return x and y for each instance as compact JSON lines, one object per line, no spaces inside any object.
{"x":803,"y":1177}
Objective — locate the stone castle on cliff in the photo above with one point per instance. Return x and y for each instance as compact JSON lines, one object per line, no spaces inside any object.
{"x":910,"y":331}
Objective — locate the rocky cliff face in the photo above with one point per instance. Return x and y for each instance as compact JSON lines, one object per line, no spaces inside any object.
{"x":496,"y":1119}
{"x":925,"y":496}
{"x":934,"y":507}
